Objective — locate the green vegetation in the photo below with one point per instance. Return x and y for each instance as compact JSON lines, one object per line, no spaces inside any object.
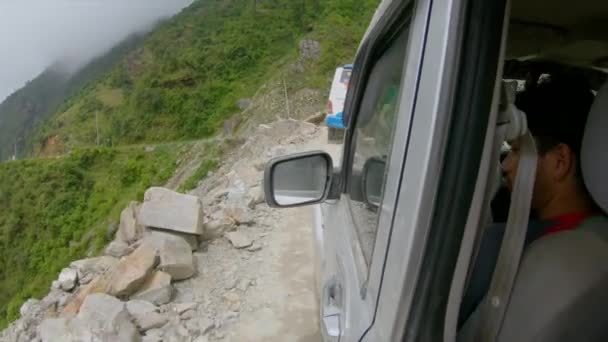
{"x":186,"y":78}
{"x":181,"y":83}
{"x":209,"y":164}
{"x":53,"y":211}
{"x":28,"y":107}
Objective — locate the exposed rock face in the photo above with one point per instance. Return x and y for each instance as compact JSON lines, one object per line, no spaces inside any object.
{"x":163,"y":208}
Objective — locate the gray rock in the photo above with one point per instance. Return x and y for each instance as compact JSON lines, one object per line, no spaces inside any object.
{"x":67,"y":279}
{"x":163,"y":208}
{"x":310,"y":49}
{"x":137,"y":307}
{"x":160,"y":234}
{"x":153,"y":335}
{"x":239,"y":215}
{"x":129,"y":230}
{"x":118,"y":249}
{"x":152,"y":320}
{"x":216,"y":228}
{"x":101,"y":318}
{"x":256,"y":196}
{"x":201,"y":339}
{"x":238,"y":239}
{"x":87,"y":269}
{"x":199,"y":325}
{"x":176,"y":258}
{"x":29,"y":307}
{"x":156,"y":289}
{"x":131,"y":272}
{"x":175,"y":332}
{"x":54,"y":329}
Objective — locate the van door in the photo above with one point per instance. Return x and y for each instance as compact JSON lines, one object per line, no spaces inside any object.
{"x":356,"y":226}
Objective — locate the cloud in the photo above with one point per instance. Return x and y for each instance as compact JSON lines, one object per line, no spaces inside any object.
{"x":36,"y":33}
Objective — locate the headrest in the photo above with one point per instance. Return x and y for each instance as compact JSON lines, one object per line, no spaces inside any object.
{"x":594,"y":150}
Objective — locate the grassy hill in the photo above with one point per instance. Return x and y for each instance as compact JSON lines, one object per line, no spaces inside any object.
{"x":187,"y":77}
{"x":181,"y":83}
{"x":40,"y":98}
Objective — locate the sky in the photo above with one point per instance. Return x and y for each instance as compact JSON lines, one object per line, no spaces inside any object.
{"x":36,"y":33}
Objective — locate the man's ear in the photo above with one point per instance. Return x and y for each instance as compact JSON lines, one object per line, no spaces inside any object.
{"x":563,"y":163}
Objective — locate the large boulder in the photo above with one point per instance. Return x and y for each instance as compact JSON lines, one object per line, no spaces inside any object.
{"x":145,"y":315}
{"x":87,"y":269}
{"x":163,"y":208}
{"x":176,"y":258}
{"x":101,"y":318}
{"x":160,"y":235}
{"x":131,"y":271}
{"x":156,"y":289}
{"x":129,"y":230}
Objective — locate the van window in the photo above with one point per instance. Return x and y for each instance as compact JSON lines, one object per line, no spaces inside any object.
{"x":373,"y":136}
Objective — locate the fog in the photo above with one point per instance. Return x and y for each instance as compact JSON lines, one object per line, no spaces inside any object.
{"x":37,"y":33}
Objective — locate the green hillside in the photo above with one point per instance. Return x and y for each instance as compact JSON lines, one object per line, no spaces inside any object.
{"x":41,"y":97}
{"x":189,"y":74}
{"x":53,"y":211}
{"x":180,"y":84}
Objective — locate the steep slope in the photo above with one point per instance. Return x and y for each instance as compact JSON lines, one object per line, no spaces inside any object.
{"x":187,"y":77}
{"x":43,"y":96}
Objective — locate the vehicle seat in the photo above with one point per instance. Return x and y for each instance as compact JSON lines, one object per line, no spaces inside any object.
{"x":561,"y":289}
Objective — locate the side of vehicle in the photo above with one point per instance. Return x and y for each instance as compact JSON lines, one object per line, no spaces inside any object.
{"x":380,"y":204}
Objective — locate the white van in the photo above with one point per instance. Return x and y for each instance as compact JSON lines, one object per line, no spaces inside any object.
{"x":335,"y":104}
{"x":405,"y":212}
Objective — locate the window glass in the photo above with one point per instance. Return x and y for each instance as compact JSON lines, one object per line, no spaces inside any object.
{"x":372,"y":141}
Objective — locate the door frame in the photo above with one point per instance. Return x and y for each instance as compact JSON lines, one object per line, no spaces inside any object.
{"x":441,"y":170}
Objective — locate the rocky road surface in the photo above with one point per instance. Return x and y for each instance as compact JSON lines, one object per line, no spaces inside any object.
{"x":215,"y":265}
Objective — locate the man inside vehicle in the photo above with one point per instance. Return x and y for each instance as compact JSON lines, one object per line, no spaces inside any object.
{"x":556,"y":109}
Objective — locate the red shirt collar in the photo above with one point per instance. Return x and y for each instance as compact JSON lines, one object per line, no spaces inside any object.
{"x":566,"y":222}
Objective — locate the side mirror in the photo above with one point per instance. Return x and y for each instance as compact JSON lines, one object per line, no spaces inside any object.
{"x":298,"y":179}
{"x":372,"y":181}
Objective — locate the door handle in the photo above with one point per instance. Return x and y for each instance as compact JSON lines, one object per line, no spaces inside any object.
{"x":331,"y":311}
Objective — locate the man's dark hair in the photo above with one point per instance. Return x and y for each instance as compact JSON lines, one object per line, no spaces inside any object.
{"x":557,"y":107}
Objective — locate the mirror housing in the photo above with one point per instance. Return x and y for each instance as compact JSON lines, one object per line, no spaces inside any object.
{"x":372,"y":180}
{"x":298,"y":179}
